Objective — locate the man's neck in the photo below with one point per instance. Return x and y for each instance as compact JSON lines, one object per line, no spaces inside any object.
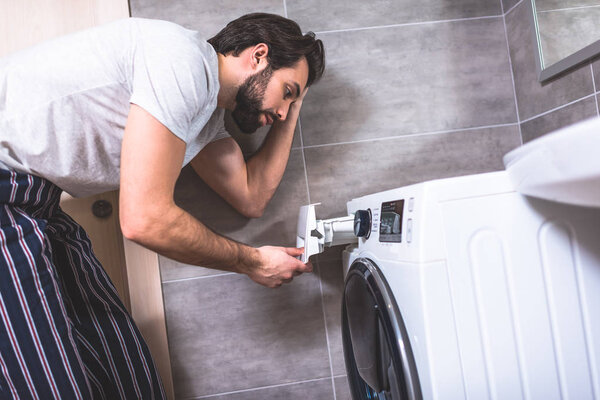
{"x":228,"y":82}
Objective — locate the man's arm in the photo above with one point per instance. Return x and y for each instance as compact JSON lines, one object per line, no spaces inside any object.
{"x":151,"y":159}
{"x":248,"y":186}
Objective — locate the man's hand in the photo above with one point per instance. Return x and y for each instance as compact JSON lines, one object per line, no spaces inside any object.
{"x":294,"y":111}
{"x":278,"y":265}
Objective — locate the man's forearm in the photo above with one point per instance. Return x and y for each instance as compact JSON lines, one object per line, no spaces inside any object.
{"x":266,"y":167}
{"x":178,"y":235}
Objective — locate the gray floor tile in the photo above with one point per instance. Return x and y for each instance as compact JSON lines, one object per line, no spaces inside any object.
{"x":410,"y":79}
{"x":321,"y":16}
{"x":332,"y":281}
{"x":358,"y":169}
{"x":228,"y":333}
{"x":560,"y":118}
{"x":315,"y":390}
{"x":171,"y":269}
{"x":534,"y":98}
{"x":330,"y":253}
{"x":207,"y":17}
{"x":342,"y":390}
{"x":565,"y":32}
{"x":277,"y":226}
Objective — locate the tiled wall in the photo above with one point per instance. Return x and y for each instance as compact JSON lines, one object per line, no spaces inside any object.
{"x":413,"y":90}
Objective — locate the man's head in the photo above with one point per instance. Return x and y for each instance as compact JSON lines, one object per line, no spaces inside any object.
{"x":292,"y":59}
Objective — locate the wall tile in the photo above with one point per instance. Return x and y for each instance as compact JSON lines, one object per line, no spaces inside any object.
{"x":228,"y":333}
{"x":357,"y":169}
{"x":317,"y":15}
{"x":560,"y":118}
{"x":332,"y":282}
{"x":508,"y":4}
{"x":534,"y":98}
{"x":207,"y":17}
{"x":410,"y":79}
{"x":315,"y":390}
{"x":342,"y":390}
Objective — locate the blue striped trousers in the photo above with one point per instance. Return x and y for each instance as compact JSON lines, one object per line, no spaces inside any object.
{"x":64,"y":332}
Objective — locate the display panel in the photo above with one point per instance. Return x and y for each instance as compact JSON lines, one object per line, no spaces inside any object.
{"x":390,"y":226}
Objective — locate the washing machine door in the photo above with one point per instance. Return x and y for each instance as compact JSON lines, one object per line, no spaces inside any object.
{"x":379,"y":360}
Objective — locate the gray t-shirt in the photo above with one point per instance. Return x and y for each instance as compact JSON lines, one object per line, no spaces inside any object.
{"x":64,"y":103}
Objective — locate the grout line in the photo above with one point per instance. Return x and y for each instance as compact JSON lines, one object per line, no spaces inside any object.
{"x":594,"y":83}
{"x":303,"y":159}
{"x":512,"y":75}
{"x":285,"y":14}
{"x":340,"y":376}
{"x":412,"y":135}
{"x":567,"y":9}
{"x":513,"y":7}
{"x":326,"y":330}
{"x":257,"y":388}
{"x":198,"y":277}
{"x":558,"y":108}
{"x":407,"y":24}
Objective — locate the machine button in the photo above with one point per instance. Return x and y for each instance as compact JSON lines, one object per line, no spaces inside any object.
{"x":409,"y":230}
{"x":411,"y":204}
{"x":362,"y":223}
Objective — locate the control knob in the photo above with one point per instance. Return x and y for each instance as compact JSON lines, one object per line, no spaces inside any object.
{"x":362,"y":223}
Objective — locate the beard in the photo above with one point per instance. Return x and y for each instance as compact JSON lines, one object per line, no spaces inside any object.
{"x":249,"y":98}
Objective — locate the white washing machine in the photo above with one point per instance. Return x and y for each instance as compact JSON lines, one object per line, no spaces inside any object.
{"x":465,"y":288}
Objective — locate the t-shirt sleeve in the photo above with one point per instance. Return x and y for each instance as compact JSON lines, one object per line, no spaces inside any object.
{"x":221,"y":132}
{"x":171,"y":79}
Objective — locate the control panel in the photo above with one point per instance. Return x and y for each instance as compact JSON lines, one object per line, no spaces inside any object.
{"x":392,"y":218}
{"x":390,"y":223}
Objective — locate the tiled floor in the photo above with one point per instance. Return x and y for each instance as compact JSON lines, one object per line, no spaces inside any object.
{"x":413,"y":91}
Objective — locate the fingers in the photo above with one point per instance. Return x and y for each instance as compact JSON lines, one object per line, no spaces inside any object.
{"x":303,"y":95}
{"x":280,"y":266}
{"x":294,"y":251}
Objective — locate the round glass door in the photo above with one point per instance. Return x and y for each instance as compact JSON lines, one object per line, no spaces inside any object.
{"x":379,"y":361}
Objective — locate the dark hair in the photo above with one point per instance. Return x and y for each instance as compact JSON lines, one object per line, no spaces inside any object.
{"x":287,"y":45}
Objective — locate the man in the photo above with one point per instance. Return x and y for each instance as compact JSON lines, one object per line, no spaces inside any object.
{"x":127,"y":104}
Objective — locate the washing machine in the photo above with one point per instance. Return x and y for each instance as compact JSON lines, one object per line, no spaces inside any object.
{"x":480,"y":287}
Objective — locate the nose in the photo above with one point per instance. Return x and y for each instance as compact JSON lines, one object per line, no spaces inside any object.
{"x":283,"y":111}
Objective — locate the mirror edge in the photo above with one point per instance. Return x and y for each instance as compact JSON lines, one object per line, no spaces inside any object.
{"x":536,"y":38}
{"x":564,"y":65}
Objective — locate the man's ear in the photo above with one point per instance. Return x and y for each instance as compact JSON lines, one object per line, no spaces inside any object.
{"x":259,"y":56}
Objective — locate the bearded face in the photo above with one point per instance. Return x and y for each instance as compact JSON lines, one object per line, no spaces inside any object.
{"x":249,"y":99}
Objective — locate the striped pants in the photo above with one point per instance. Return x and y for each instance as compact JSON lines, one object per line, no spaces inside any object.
{"x":64,"y":333}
